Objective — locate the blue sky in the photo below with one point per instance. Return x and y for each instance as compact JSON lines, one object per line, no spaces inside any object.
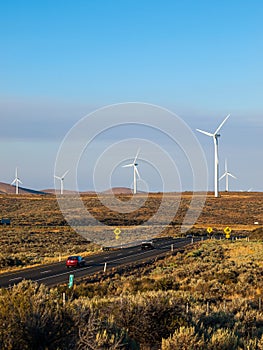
{"x":62,"y":59}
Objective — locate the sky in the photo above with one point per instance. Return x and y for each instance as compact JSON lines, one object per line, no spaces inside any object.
{"x":61,"y":60}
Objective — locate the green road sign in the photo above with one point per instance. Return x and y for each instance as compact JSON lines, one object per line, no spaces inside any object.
{"x":71,"y":281}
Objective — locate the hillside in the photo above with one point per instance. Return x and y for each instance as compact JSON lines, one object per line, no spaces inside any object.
{"x":10,"y":189}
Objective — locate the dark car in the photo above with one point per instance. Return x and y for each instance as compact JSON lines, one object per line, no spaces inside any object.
{"x":147,"y":245}
{"x":75,"y":261}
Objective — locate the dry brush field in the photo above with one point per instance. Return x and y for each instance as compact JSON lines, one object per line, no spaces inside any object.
{"x":38,"y":230}
{"x":207,"y":297}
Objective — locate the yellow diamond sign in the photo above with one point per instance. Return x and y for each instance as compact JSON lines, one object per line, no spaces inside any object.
{"x":117,"y":232}
{"x":227,"y":230}
{"x":209,"y":229}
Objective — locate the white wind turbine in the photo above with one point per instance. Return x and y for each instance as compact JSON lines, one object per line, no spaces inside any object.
{"x":135,"y":172}
{"x":17,"y":181}
{"x":61,"y":179}
{"x":215,"y":136}
{"x":226,"y":175}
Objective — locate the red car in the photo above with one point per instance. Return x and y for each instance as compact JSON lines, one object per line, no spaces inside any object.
{"x":75,"y":261}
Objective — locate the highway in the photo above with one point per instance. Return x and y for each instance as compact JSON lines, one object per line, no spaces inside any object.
{"x":57,"y":273}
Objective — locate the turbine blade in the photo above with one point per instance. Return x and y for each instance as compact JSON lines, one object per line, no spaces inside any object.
{"x":57,"y":177}
{"x":64,"y":174}
{"x":12,"y":183}
{"x":136,"y":156}
{"x":223,"y":122}
{"x":226,"y":165}
{"x":232,"y":176}
{"x":221,"y":177}
{"x":19,"y":181}
{"x":137,"y":172}
{"x":205,"y":132}
{"x":127,"y":166}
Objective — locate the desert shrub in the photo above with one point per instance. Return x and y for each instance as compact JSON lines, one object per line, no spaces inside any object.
{"x":249,"y":322}
{"x":166,"y":283}
{"x":222,"y":339}
{"x":149,"y":317}
{"x":217,"y":320}
{"x":9,"y":261}
{"x":184,"y":338}
{"x":31,"y":318}
{"x":97,"y":333}
{"x":260,"y":343}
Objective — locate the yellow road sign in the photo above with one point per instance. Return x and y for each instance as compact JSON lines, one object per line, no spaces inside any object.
{"x":117,"y":231}
{"x":209,"y":229}
{"x":227,"y":230}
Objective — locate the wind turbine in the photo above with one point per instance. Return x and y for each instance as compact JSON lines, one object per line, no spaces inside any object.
{"x":226,"y":175}
{"x":135,"y":172}
{"x":17,"y":182}
{"x":215,"y":136}
{"x":61,"y":179}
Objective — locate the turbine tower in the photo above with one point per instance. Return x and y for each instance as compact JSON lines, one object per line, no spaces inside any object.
{"x":17,"y":181}
{"x":215,"y":137}
{"x":135,"y":172}
{"x":226,"y":175}
{"x":61,"y":179}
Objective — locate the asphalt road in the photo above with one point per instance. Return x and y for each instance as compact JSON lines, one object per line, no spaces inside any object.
{"x":55,"y":274}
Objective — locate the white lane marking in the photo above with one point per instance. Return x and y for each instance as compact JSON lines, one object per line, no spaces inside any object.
{"x":47,"y":271}
{"x":15,"y":279}
{"x":61,"y":274}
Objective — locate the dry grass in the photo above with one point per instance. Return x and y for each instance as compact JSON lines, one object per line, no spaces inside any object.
{"x":40,"y":232}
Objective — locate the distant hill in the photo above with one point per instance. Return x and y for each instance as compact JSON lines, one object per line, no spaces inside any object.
{"x":114,"y":190}
{"x":118,"y":190}
{"x":56,"y":191}
{"x":10,"y":189}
